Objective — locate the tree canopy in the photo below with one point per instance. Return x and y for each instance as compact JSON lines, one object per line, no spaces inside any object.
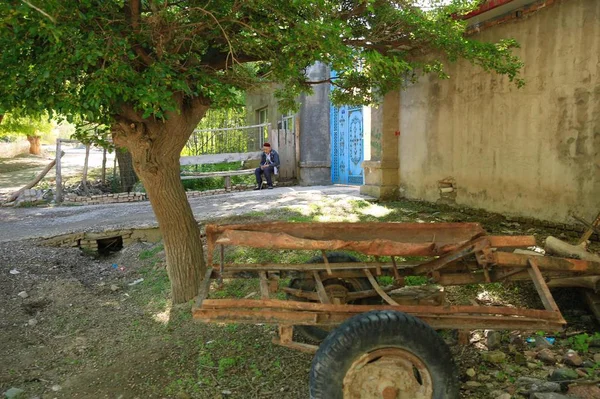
{"x":149,"y":70}
{"x":90,"y":57}
{"x":13,"y":125}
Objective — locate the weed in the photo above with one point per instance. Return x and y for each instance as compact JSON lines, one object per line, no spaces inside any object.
{"x":385,"y":280}
{"x":225,"y":364}
{"x":415,"y":280}
{"x":581,"y":342}
{"x":150,"y":253}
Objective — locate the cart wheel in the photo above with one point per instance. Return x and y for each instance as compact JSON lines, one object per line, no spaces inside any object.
{"x":383,"y":354}
{"x":317,"y":334}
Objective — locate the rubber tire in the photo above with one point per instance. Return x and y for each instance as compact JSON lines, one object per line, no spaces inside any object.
{"x":378,"y":329}
{"x":317,"y":334}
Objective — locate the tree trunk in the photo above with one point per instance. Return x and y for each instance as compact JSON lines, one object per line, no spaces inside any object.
{"x":103,"y":176}
{"x":155,"y":147}
{"x":85,"y":170}
{"x":34,"y":145}
{"x":181,"y":235}
{"x":128,"y":176}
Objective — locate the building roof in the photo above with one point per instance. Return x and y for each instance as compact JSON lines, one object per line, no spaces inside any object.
{"x":491,"y":9}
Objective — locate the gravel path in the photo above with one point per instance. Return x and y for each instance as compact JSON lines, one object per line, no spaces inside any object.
{"x":23,"y":223}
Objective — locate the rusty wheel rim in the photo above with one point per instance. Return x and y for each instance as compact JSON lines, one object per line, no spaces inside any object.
{"x":388,"y":373}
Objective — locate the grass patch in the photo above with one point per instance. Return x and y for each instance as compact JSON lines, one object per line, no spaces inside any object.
{"x":150,"y":253}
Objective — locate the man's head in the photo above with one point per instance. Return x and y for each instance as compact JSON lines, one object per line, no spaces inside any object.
{"x":267,"y":148}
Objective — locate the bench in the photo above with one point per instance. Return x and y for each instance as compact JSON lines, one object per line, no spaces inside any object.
{"x":225,"y":173}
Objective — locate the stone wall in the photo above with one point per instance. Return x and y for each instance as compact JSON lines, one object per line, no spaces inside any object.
{"x":532,"y":152}
{"x":71,"y":199}
{"x":89,"y":240}
{"x":10,"y":150}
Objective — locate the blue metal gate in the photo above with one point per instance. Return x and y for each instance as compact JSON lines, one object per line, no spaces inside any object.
{"x":346,"y":145}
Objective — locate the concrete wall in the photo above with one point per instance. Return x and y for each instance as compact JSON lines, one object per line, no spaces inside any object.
{"x":314,"y":136}
{"x":533,"y":151}
{"x":259,"y":99}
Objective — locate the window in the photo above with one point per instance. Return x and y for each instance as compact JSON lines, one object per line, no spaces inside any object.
{"x":262,"y":116}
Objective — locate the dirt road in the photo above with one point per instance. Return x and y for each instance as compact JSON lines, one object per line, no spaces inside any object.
{"x":23,"y":223}
{"x":71,"y":162}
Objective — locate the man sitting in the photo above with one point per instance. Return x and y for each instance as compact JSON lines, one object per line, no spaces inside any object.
{"x":269,"y":162}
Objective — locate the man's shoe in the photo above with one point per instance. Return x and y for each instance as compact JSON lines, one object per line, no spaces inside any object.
{"x":256,"y":188}
{"x":270,"y":187}
{"x":259,"y":187}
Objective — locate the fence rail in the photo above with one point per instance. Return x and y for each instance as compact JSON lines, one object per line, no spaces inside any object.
{"x":226,"y":140}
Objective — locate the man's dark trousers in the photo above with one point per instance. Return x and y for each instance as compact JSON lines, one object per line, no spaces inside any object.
{"x":268,"y":171}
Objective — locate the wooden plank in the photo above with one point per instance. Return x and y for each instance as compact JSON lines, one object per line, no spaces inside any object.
{"x":204,"y":288}
{"x":447,"y":235}
{"x":255,"y":267}
{"x":286,"y":333}
{"x":200,"y":175}
{"x":314,"y":318}
{"x":264,"y":285}
{"x":58,"y":177}
{"x":218,"y":158}
{"x":377,"y":288}
{"x":591,"y":228}
{"x":511,"y":241}
{"x":287,"y":154}
{"x":326,"y":263}
{"x":271,"y":240}
{"x":507,"y":259}
{"x":541,"y":287}
{"x":299,"y":346}
{"x":428,"y":309}
{"x":320,"y":288}
{"x":460,"y":252}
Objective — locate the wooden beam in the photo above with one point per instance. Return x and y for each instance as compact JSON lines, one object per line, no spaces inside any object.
{"x":204,"y":288}
{"x":320,"y":288}
{"x":58,"y":176}
{"x":379,"y":290}
{"x":200,"y":175}
{"x":542,"y":288}
{"x":218,"y":158}
{"x":264,"y":285}
{"x":545,"y":263}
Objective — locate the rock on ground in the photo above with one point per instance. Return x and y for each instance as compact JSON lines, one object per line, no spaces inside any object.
{"x":549,"y":395}
{"x":493,"y":356}
{"x":14,"y":393}
{"x":564,"y":374}
{"x":571,"y":358}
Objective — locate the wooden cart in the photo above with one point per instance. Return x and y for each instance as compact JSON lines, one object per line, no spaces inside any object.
{"x":386,"y":346}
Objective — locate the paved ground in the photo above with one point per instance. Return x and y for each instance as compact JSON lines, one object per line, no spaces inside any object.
{"x":23,"y":223}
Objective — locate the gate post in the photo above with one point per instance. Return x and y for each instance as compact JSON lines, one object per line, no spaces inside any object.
{"x":58,"y":179}
{"x":382,"y":172}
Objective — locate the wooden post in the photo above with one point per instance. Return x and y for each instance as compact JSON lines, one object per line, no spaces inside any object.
{"x":85,"y":169}
{"x":35,"y":181}
{"x":58,"y":175}
{"x":228,"y":183}
{"x":104,"y":166}
{"x":115,"y":165}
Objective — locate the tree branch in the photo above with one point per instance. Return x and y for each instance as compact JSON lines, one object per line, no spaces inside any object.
{"x":133,"y":10}
{"x":44,"y":13}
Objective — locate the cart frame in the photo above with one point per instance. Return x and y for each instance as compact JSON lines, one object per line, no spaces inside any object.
{"x":449,"y":254}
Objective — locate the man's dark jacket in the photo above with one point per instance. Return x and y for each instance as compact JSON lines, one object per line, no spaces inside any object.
{"x":274,"y":159}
